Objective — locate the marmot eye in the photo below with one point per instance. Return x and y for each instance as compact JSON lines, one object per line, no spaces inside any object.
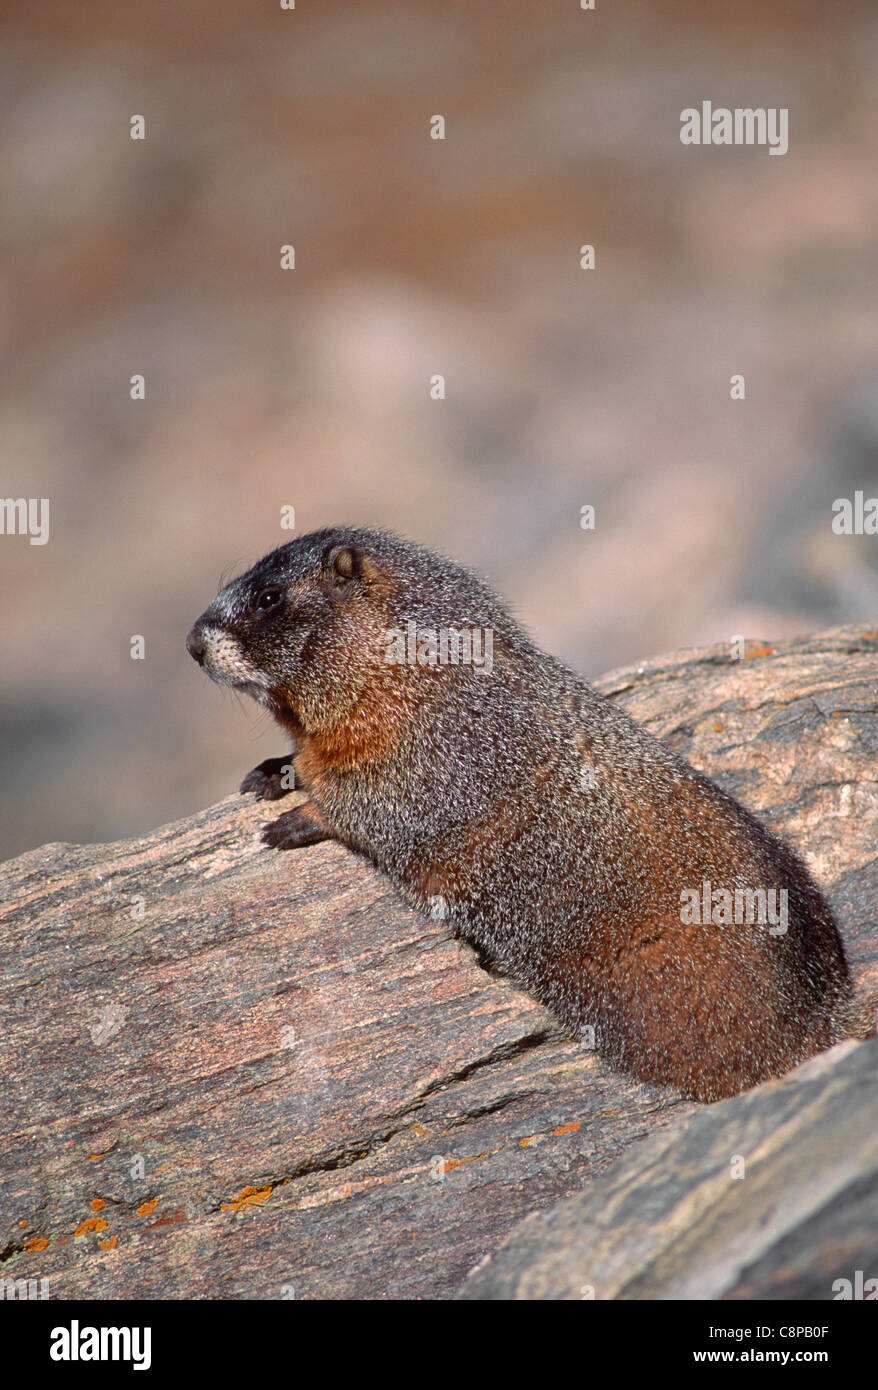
{"x":269,"y":599}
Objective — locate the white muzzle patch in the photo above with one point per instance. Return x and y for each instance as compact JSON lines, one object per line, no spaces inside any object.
{"x":226,"y":664}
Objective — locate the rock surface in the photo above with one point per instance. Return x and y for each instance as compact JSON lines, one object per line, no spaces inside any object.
{"x":770,"y":1195}
{"x":229,"y":1073}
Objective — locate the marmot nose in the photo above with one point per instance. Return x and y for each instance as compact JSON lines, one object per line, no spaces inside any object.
{"x":195,"y":644}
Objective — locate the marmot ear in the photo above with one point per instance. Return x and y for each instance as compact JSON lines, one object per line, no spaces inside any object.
{"x":344,"y":563}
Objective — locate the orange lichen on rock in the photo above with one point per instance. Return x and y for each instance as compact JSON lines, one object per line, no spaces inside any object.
{"x":94,"y":1223}
{"x":250,"y":1197}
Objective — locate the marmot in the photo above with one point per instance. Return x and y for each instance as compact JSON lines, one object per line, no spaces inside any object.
{"x":500,"y":792}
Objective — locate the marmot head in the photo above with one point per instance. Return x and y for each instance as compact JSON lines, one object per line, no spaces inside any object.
{"x":302,"y":628}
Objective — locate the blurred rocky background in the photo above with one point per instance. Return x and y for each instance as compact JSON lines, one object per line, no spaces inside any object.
{"x":310,"y":387}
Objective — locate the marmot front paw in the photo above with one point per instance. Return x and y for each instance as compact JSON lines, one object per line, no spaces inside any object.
{"x":272,"y":779}
{"x":304,"y":825}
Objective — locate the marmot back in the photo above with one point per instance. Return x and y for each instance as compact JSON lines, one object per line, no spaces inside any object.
{"x":581,"y":857}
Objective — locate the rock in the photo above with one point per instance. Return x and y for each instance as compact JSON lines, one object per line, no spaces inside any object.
{"x":773,"y":1194}
{"x":231,"y":1073}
